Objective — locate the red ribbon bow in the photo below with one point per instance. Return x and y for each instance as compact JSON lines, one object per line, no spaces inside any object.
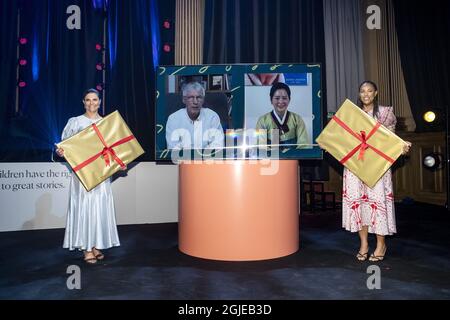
{"x":363,"y":146}
{"x":107,"y":150}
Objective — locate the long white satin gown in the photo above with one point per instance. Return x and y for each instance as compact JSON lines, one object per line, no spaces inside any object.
{"x":91,"y":220}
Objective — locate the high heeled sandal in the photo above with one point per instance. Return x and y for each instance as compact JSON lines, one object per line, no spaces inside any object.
{"x":99,"y":255}
{"x":375,"y":258}
{"x":91,"y":260}
{"x":362,"y":256}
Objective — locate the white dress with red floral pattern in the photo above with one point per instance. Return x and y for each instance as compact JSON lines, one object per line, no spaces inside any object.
{"x":372,"y":207}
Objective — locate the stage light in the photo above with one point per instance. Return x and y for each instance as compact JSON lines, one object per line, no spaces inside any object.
{"x":166,"y":24}
{"x":433,"y":161}
{"x":98,"y":47}
{"x":23,"y":62}
{"x":99,"y":87}
{"x":99,"y":66}
{"x":167,"y":48}
{"x":23,"y":40}
{"x":429,"y":116}
{"x":437,"y":119}
{"x":22,"y":84}
{"x":432,"y":119}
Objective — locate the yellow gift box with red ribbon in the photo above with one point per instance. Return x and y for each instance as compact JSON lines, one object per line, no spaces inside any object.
{"x":100,"y":150}
{"x":360,"y":143}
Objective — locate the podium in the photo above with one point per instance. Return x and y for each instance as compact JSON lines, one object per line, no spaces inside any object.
{"x":239,"y":210}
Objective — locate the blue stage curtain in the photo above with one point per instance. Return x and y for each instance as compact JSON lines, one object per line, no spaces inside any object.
{"x":131,"y":71}
{"x":8,"y":44}
{"x":62,"y":65}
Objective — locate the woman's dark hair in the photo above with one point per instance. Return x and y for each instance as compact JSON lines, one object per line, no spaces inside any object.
{"x":278,"y":86}
{"x":375,"y":100}
{"x":91,"y":90}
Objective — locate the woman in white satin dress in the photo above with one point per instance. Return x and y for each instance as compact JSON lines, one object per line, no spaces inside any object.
{"x":91,"y":222}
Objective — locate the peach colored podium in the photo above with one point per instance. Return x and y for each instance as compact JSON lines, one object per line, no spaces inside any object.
{"x":230,"y":211}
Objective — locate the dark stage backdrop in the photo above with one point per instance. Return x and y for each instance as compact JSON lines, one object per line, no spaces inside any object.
{"x":423,"y":30}
{"x":61,"y":64}
{"x":264,"y":31}
{"x":8,"y":63}
{"x":268,"y":31}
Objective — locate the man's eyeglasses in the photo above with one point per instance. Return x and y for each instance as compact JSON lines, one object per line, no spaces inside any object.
{"x":192,"y":98}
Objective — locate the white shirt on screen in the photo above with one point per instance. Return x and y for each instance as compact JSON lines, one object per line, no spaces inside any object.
{"x":184,"y":133}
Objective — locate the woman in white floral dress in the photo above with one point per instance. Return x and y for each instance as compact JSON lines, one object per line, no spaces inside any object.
{"x":370,"y":210}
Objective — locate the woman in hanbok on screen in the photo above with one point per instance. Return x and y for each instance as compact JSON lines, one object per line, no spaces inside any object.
{"x":91,"y":222}
{"x":290,"y":125}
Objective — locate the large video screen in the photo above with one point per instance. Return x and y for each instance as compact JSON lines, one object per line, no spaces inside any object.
{"x":238,"y":111}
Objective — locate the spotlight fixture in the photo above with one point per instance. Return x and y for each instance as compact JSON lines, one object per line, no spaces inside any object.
{"x":429,"y":116}
{"x":22,"y":84}
{"x":23,"y":40}
{"x":167,"y":48}
{"x":437,"y":119}
{"x":98,"y":47}
{"x":100,"y":86}
{"x":433,"y":161}
{"x":166,"y":24}
{"x":433,"y":119}
{"x":23,"y":62}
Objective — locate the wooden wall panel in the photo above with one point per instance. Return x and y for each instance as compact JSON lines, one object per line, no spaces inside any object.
{"x":189,"y":32}
{"x":412,"y":179}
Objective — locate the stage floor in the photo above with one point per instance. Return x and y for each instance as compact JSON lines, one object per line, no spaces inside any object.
{"x":148,"y":265}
